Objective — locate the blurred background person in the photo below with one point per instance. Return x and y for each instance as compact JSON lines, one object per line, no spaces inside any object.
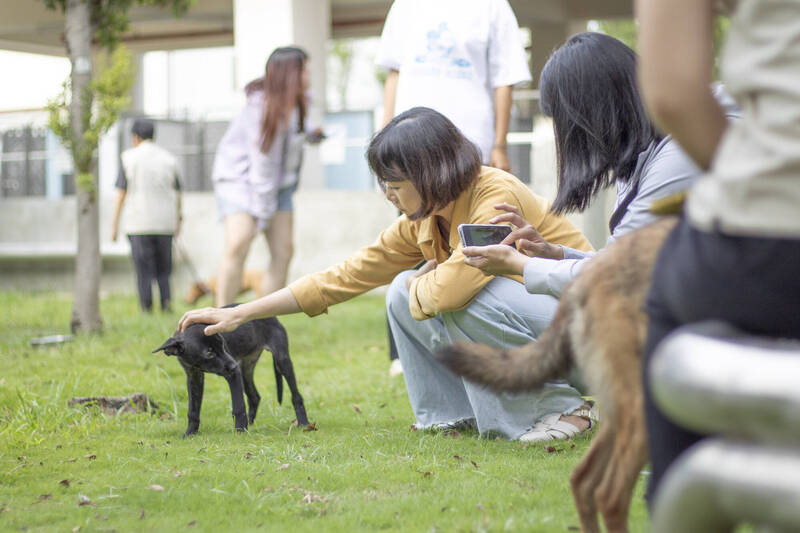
{"x":149,"y":188}
{"x":461,"y":58}
{"x":256,"y":171}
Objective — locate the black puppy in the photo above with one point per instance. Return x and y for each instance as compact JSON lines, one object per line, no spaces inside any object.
{"x":234,"y":355}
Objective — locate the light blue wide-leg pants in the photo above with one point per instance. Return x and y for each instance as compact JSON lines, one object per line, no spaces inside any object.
{"x":503,"y":315}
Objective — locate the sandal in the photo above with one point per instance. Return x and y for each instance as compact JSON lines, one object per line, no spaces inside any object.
{"x":551,"y":427}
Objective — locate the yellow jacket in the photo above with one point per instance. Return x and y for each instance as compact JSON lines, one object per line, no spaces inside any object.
{"x":453,"y":284}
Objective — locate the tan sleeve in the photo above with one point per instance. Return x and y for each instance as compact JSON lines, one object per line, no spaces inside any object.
{"x":454,"y":284}
{"x":394,"y":251}
{"x":449,"y":287}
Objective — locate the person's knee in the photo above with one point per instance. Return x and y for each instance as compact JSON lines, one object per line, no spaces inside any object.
{"x":282,"y":255}
{"x":397,"y":293}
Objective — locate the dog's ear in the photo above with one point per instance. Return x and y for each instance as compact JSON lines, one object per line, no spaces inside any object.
{"x":171,"y":346}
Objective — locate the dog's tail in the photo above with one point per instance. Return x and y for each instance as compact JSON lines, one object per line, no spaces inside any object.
{"x":517,"y":369}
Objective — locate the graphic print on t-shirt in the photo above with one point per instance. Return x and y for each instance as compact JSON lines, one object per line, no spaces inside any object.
{"x":441,"y":56}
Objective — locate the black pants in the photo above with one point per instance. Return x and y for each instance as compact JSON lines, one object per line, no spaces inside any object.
{"x":751,"y":283}
{"x":152,"y":259}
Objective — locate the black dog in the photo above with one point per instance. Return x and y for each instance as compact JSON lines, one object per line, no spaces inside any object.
{"x":234,"y":355}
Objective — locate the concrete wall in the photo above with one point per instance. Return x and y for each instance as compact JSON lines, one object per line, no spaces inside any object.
{"x":37,"y":234}
{"x":37,"y":237}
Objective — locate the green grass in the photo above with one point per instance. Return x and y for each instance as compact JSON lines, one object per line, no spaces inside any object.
{"x":362,"y":470}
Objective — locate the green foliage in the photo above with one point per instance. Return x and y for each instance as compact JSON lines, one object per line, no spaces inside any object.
{"x":362,"y":470}
{"x":106,"y":97}
{"x":623,"y":29}
{"x":110,"y":17}
{"x":626,"y":31}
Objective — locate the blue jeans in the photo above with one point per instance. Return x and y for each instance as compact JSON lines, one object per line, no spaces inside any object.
{"x":503,"y":315}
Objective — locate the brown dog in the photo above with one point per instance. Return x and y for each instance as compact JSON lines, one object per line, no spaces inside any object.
{"x":251,"y":281}
{"x":600,"y":326}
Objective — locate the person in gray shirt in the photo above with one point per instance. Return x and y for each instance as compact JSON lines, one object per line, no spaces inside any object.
{"x":603,"y":137}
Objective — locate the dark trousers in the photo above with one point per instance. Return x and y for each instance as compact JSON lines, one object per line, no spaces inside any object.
{"x":152,"y":259}
{"x":751,"y":283}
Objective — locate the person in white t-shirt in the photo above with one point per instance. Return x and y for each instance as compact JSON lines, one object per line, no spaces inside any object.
{"x":461,"y":58}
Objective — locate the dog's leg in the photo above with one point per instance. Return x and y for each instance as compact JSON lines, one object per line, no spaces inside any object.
{"x":629,"y":455}
{"x":195,"y":379}
{"x":237,"y":399}
{"x":248,"y":364}
{"x":586,"y":476}
{"x":284,"y":365}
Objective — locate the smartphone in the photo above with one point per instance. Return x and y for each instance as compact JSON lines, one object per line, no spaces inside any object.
{"x":483,"y":234}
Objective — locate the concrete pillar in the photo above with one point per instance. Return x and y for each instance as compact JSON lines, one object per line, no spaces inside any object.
{"x":260,"y":26}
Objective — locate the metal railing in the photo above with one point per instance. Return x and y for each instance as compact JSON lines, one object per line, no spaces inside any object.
{"x":744,"y":390}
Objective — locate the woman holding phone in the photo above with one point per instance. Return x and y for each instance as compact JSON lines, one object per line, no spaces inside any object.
{"x":433,"y":175}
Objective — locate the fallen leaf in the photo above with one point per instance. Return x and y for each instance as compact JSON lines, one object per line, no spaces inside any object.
{"x":249,"y":455}
{"x":192,"y":523}
{"x":91,"y":457}
{"x":72,"y":459}
{"x":458,"y":457}
{"x":311,"y":427}
{"x":84,"y":500}
{"x":165,"y":416}
{"x":284,"y":466}
{"x":44,"y":497}
{"x":22,"y":457}
{"x":76,"y":529}
{"x":356,"y":408}
{"x":474,"y":464}
{"x":381,"y":406}
{"x":443,"y":509}
{"x":311,"y":497}
{"x":157,"y":488}
{"x":64,"y":482}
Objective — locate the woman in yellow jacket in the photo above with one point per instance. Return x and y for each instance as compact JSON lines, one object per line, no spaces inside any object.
{"x":433,"y":175}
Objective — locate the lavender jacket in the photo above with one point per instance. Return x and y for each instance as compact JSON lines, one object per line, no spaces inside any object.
{"x":245,"y":177}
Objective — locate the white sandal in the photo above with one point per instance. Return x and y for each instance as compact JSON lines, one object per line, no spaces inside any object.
{"x":551,"y":427}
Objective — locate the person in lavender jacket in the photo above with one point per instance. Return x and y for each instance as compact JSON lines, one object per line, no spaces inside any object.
{"x":256,"y":170}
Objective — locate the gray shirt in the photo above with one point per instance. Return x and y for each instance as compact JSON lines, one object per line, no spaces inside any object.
{"x":661,"y":170}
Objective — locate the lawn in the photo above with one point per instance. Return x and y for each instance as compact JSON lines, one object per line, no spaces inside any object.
{"x":363,"y":469}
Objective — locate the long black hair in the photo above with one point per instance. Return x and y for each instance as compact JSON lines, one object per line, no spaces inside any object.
{"x":588,"y":87}
{"x":422,"y":145}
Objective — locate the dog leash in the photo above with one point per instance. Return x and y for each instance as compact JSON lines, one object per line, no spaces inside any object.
{"x":185,"y":257}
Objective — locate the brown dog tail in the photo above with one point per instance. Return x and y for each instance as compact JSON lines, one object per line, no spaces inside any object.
{"x":516,"y":369}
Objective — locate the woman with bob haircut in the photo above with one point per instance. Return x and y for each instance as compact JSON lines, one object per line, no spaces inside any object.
{"x":433,"y":175}
{"x":603,"y":136}
{"x":256,"y":168}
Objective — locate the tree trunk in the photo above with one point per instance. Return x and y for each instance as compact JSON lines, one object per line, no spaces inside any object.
{"x":88,"y":266}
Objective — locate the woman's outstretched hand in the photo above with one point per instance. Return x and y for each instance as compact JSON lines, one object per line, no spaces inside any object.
{"x":527,"y":238}
{"x":219,"y":320}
